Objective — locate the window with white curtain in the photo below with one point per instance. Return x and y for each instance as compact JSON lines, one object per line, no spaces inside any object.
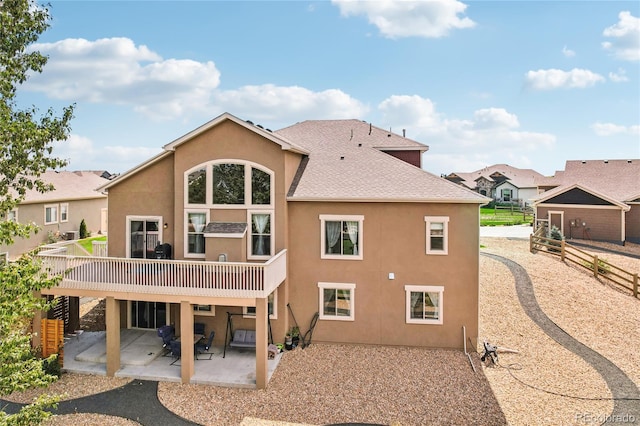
{"x":261,"y":243}
{"x":341,"y":236}
{"x":437,"y":234}
{"x":195,"y":242}
{"x":424,"y":304}
{"x":337,"y":301}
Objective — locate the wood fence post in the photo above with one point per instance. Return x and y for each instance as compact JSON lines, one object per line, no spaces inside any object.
{"x":595,"y":266}
{"x":635,"y":285}
{"x":562,"y":249}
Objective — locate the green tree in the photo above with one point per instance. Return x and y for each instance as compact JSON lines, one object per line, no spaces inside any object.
{"x":26,"y":144}
{"x":83,"y":229}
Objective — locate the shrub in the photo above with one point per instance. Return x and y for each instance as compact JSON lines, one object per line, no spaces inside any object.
{"x":51,"y":366}
{"x":83,"y":229}
{"x":555,"y":235}
{"x":603,"y":266}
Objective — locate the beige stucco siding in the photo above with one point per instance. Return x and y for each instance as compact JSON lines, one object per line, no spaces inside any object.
{"x":146,"y":193}
{"x":233,"y":142}
{"x":394,"y":241}
{"x":88,"y":209}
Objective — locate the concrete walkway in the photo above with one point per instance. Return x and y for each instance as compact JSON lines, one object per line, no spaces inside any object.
{"x":625,"y":393}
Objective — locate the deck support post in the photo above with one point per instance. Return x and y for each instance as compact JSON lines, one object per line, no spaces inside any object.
{"x":261,"y":343}
{"x":112,"y":320}
{"x":187,"y":368}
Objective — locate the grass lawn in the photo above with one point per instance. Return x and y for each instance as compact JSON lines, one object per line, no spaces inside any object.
{"x":87,"y":243}
{"x":496,"y":217}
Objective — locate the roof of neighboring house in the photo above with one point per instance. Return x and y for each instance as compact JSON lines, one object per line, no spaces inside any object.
{"x":616,"y":179}
{"x":346,"y":163}
{"x":69,"y":186}
{"x":520,"y":178}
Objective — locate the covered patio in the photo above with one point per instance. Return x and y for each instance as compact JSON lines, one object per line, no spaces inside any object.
{"x":183,"y":283}
{"x":143,"y":357}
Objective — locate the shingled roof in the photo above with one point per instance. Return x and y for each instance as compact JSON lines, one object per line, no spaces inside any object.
{"x":346,"y":163}
{"x":79,"y":185}
{"x":617,"y":179}
{"x":520,"y":178}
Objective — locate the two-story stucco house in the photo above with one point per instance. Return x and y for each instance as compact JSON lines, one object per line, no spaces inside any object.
{"x":58,"y":213}
{"x":329,"y":216}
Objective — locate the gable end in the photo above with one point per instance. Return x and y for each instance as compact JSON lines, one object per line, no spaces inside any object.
{"x":578,"y":196}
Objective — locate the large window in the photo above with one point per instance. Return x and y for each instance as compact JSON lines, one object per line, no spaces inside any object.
{"x":261,"y":243}
{"x":50,"y":214}
{"x":260,"y":187}
{"x":437,"y":234}
{"x":272,"y":303}
{"x":195,"y":223}
{"x":197,"y":187}
{"x":424,"y":304}
{"x":341,"y":237}
{"x":228,"y":184}
{"x":337,"y":301}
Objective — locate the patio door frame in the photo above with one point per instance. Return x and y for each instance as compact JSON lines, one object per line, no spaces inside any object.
{"x":157,"y":219}
{"x":142,"y":219}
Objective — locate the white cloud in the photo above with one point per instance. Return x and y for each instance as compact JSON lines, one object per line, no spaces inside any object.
{"x":568,"y":52}
{"x":625,"y":34}
{"x":116,"y":71}
{"x":619,"y":77}
{"x":270,"y":102}
{"x":489,"y":130}
{"x":396,"y":19}
{"x":610,"y":129}
{"x":558,"y":79}
{"x":82,"y":154}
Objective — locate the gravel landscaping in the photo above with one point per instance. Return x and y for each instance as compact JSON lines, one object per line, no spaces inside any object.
{"x":542,"y":384}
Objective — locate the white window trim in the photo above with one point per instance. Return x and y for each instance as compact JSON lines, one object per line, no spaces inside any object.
{"x":51,"y":206}
{"x":334,"y":218}
{"x":273,"y":316}
{"x":250,"y":255}
{"x":424,"y":289}
{"x":247,"y":185}
{"x":15,"y":215}
{"x":339,"y":286}
{"x":204,"y":313}
{"x":186,"y":233}
{"x":445,"y":244}
{"x":129,"y":219}
{"x":66,"y":207}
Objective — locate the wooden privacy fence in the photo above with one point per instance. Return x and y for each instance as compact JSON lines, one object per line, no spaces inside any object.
{"x":598,"y":267}
{"x":52,"y":338}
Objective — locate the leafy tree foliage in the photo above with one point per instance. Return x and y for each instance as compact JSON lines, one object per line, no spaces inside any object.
{"x":26,"y":137}
{"x":26,"y":143}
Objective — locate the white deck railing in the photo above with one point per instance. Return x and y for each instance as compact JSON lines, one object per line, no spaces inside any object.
{"x":167,"y":277}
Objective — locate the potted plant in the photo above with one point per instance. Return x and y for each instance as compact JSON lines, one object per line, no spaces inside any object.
{"x":288,"y":341}
{"x":295,"y":336}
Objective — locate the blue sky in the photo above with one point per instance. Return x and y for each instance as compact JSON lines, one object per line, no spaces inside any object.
{"x":530,"y":84}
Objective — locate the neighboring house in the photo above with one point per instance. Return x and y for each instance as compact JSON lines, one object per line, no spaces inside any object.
{"x":595,"y":200}
{"x":58,"y":213}
{"x":501,"y":182}
{"x":332,"y":216}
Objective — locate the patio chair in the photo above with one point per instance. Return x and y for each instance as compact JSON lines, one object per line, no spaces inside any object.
{"x":198,"y":328}
{"x":202,"y":347}
{"x":176,"y":351}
